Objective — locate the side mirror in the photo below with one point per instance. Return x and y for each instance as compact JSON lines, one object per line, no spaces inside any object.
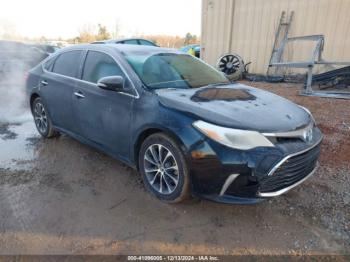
{"x":113,"y":83}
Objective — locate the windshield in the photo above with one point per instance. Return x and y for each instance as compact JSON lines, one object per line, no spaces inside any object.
{"x":168,"y":70}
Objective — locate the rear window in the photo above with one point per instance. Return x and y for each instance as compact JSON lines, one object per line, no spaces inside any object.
{"x":67,"y":64}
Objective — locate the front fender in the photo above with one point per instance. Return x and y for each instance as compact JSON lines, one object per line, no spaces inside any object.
{"x":173,"y":123}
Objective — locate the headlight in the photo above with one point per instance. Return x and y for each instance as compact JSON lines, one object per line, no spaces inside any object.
{"x":234,"y":138}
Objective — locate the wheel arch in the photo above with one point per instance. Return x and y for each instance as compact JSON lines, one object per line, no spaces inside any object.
{"x":32,"y":98}
{"x":150,"y":131}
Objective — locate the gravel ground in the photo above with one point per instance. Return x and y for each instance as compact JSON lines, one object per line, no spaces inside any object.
{"x":61,"y":197}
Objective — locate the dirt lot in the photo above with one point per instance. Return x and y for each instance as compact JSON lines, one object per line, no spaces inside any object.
{"x":61,"y":197}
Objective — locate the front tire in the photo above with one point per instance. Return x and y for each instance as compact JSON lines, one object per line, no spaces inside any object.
{"x":42,"y":119}
{"x":164,"y":169}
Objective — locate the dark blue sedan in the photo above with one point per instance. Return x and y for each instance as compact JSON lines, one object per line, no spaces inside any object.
{"x":180,"y":122}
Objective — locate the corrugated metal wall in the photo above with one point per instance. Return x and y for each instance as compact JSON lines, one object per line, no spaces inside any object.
{"x":248,"y":27}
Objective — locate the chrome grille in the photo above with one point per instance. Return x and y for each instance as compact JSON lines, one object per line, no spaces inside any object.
{"x":291,"y":171}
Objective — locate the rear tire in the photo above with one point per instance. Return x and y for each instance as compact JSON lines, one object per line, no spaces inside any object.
{"x":164,"y":169}
{"x":42,"y":119}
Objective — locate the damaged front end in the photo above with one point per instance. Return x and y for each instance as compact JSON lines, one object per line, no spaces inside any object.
{"x":230,"y":175}
{"x":255,"y":145}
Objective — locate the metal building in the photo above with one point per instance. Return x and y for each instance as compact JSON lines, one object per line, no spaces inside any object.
{"x":248,"y":27}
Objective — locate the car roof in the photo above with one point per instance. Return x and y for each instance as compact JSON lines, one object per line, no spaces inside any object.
{"x":122,"y":48}
{"x":119,"y":40}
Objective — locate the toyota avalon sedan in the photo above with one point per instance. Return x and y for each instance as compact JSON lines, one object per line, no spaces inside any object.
{"x":178,"y":121}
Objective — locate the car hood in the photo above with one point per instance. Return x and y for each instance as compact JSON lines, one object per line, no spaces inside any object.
{"x":237,"y":106}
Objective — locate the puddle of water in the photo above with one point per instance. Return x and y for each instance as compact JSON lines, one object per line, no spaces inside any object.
{"x":17,"y":150}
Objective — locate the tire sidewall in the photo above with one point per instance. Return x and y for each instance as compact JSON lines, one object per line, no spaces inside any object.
{"x":180,"y":191}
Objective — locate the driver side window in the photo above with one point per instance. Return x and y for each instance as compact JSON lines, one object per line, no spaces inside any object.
{"x":98,"y":65}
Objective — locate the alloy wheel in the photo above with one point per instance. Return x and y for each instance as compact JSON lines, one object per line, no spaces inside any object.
{"x":40,"y":117}
{"x":161,"y":169}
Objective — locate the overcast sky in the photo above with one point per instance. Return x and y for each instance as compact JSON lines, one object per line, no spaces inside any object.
{"x":64,"y":18}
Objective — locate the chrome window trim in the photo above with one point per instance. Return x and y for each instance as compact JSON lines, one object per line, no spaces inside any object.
{"x":273,"y":170}
{"x":284,"y":190}
{"x":137,"y":96}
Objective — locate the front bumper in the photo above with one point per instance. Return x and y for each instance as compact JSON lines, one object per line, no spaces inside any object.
{"x":226,"y":175}
{"x":286,"y":189}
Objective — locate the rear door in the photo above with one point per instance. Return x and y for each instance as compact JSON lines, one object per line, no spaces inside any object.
{"x":104,"y":116}
{"x":57,"y":87}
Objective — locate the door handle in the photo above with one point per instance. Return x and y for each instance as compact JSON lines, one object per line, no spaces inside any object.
{"x":44,"y":82}
{"x":79,"y":94}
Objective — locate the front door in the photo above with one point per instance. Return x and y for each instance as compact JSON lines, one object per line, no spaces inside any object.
{"x":104,"y":116}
